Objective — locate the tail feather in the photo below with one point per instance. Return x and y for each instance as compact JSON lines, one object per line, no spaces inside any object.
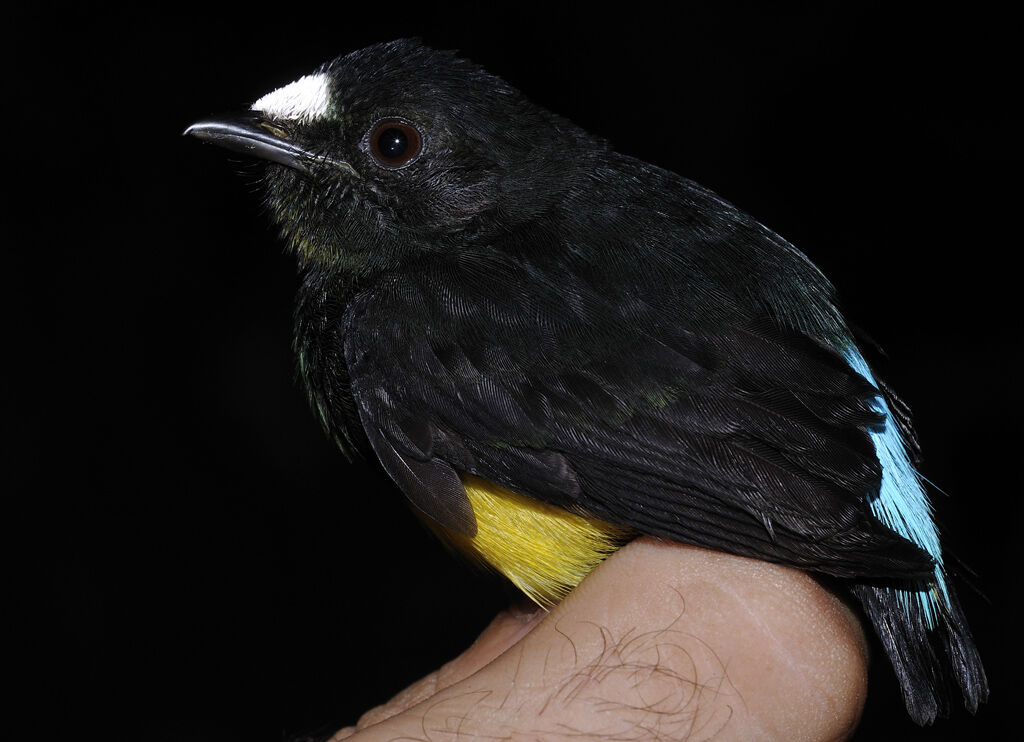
{"x":920,"y":624}
{"x":920,"y":654}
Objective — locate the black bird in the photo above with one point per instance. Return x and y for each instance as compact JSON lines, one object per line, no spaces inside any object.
{"x":552,"y":347}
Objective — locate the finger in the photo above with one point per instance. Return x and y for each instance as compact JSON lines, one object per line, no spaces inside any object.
{"x":506,"y":629}
{"x":669,"y":641}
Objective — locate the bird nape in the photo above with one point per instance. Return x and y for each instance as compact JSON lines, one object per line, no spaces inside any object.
{"x":552,"y":347}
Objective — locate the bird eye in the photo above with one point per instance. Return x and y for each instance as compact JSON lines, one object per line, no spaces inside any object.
{"x":395,"y":144}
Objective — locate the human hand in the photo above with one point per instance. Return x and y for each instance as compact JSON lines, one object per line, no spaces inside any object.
{"x":662,"y":641}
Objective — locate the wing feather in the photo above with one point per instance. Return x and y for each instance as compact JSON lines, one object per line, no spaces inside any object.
{"x":744,"y":436}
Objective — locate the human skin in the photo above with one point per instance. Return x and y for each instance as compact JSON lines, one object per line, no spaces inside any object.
{"x":661,"y":642}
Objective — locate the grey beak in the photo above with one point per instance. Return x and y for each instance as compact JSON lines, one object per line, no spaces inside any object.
{"x":250,"y":134}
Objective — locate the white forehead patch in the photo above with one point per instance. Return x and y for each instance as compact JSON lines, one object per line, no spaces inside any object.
{"x":304,"y":100}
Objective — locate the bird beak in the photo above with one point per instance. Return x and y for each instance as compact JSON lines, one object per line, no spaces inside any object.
{"x":253,"y":135}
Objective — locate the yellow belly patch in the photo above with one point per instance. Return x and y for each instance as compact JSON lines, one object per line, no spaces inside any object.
{"x":544,"y":550}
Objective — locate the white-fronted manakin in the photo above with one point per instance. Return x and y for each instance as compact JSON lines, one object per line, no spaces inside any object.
{"x":552,"y":348}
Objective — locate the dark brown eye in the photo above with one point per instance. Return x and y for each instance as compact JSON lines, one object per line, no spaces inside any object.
{"x":395,"y":144}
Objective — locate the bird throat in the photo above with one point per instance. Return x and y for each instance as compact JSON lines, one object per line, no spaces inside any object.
{"x":543,"y":550}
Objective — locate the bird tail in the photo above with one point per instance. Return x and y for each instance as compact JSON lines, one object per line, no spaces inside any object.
{"x":920,"y":624}
{"x":923,"y":637}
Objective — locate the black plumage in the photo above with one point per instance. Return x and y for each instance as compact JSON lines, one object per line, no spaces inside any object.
{"x":518,"y":302}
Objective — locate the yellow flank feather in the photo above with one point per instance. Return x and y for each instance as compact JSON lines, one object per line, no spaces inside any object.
{"x":544,"y":550}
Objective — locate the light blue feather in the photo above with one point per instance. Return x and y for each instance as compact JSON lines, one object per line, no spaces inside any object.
{"x":902,"y":503}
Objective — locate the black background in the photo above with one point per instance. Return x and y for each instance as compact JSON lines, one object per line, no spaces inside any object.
{"x":194,"y":561}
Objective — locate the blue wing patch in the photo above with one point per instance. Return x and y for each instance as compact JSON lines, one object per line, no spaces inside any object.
{"x":901,"y":502}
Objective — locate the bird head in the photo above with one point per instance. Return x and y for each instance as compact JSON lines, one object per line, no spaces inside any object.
{"x":397,"y":150}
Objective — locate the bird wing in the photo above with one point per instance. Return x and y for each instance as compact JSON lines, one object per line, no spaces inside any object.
{"x":741,"y":436}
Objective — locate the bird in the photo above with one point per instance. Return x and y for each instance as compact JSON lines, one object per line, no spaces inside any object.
{"x":552,"y":348}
